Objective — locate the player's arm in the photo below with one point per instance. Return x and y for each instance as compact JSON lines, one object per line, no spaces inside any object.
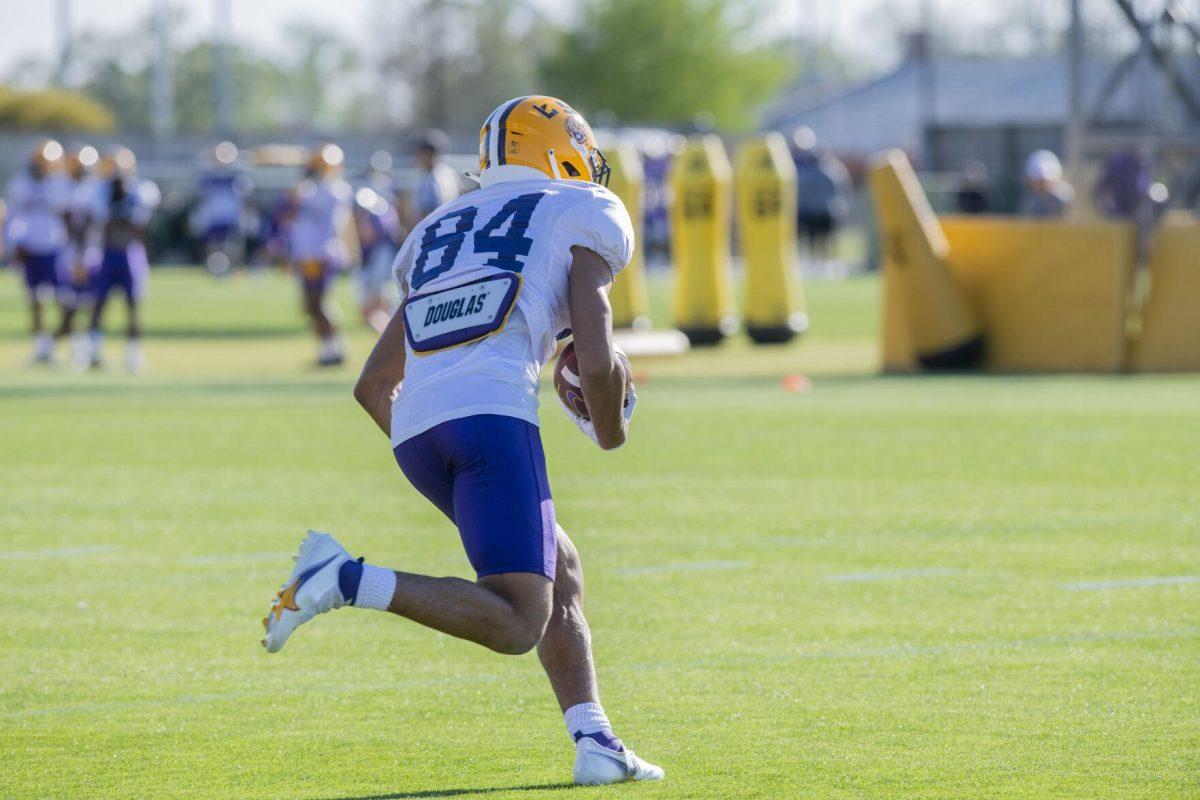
{"x":601,"y":376}
{"x":381,"y":375}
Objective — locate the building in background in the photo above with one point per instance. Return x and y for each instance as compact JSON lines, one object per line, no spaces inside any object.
{"x":947,"y":112}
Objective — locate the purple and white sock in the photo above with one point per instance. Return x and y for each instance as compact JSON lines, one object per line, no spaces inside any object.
{"x":367,"y":586}
{"x":589,"y":720}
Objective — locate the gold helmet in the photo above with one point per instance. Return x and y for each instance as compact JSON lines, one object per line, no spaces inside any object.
{"x":81,"y":160}
{"x":325,"y":160}
{"x":47,"y":156}
{"x":543,"y":133}
{"x":118,"y":162}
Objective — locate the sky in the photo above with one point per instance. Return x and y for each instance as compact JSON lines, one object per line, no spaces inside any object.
{"x":29,"y":28}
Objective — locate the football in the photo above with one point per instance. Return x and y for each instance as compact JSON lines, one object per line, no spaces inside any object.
{"x":566,"y":380}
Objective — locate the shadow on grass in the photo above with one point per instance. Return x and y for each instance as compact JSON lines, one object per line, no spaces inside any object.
{"x":198,"y":332}
{"x":227,"y":332}
{"x":320,"y":383}
{"x":541,"y":787}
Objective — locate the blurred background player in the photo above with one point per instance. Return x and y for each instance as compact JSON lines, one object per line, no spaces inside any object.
{"x":379,"y":234}
{"x":822,"y":190}
{"x":36,"y":234}
{"x":1047,"y":195}
{"x":78,"y":263}
{"x":217,"y":221}
{"x":123,"y":210}
{"x":322,"y":203}
{"x":438,"y":182}
{"x":971,"y":197}
{"x":1123,"y":186}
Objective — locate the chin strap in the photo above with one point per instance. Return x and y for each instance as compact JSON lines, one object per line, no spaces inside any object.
{"x":553,"y":164}
{"x":471,"y":176}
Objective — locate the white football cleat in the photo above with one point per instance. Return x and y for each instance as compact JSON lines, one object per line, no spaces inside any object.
{"x":311,"y":589}
{"x":595,"y":764}
{"x":135,"y":362}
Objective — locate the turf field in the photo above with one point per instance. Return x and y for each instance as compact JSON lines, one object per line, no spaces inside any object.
{"x":884,"y":588}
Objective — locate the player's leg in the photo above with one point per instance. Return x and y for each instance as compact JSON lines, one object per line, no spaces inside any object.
{"x":67,"y":295}
{"x":313,"y":280}
{"x":39,"y":280}
{"x":135,"y":360}
{"x":37,"y":327}
{"x":566,"y":647}
{"x":132,"y":279}
{"x":374,"y":282}
{"x":314,"y":307}
{"x":104,"y":283}
{"x":81,"y":280}
{"x":73,"y":312}
{"x":566,"y":655}
{"x":69,"y":303}
{"x":506,"y":613}
{"x":66,"y":323}
{"x":96,"y":328}
{"x":485,"y":474}
{"x":316,"y":278}
{"x":217,"y":249}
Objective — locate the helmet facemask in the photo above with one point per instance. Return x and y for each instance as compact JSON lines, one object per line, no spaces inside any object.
{"x":601,"y":171}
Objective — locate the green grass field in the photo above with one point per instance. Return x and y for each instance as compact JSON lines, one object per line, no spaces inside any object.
{"x":886,"y":588}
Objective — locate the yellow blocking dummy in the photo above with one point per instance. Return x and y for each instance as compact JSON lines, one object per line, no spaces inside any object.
{"x":944,"y":331}
{"x":765,"y":185}
{"x":1050,"y":293}
{"x":1170,"y":337}
{"x":700,"y":221}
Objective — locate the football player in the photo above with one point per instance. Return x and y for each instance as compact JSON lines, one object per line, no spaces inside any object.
{"x":78,"y":261}
{"x":321,"y":205}
{"x":378,"y":224}
{"x":218,"y":216}
{"x":487,"y":281}
{"x":125,"y":205}
{"x":437,"y":183}
{"x":36,"y":234}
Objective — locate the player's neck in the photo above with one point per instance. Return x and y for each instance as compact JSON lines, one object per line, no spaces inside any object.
{"x":506,"y":173}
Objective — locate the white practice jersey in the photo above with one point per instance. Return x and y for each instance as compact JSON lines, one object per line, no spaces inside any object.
{"x":84,"y":208}
{"x":515,"y":235}
{"x":322,"y":210}
{"x":35,"y":212}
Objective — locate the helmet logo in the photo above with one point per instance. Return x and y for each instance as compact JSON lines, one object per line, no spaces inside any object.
{"x":576,"y":129}
{"x":545,"y":110}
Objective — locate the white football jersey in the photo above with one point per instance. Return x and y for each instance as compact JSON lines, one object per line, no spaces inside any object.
{"x":469,"y":349}
{"x":322,"y":210}
{"x":35,"y":209}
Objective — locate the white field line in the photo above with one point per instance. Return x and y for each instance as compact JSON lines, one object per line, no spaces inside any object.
{"x":60,"y":552}
{"x":279,"y":556}
{"x":890,"y":575}
{"x":692,"y":566}
{"x":1132,"y":583}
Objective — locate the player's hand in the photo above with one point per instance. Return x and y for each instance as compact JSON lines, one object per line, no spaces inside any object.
{"x":588,"y":429}
{"x":584,"y":425}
